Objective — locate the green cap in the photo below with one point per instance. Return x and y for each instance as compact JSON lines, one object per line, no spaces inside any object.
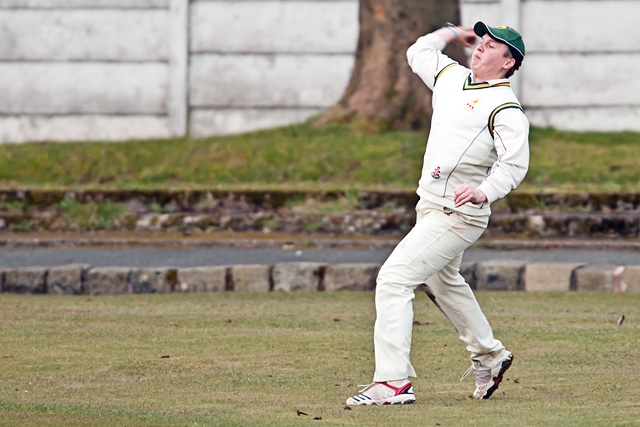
{"x":506,"y":35}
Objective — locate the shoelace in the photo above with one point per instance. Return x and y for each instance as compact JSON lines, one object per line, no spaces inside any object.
{"x":468,"y":372}
{"x":366,"y":387}
{"x":482,"y":376}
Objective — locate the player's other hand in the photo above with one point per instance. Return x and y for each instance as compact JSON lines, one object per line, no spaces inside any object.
{"x":465,"y":194}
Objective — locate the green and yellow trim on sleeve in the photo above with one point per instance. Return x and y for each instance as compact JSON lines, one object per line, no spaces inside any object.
{"x":499,"y":108}
{"x":442,"y":71}
{"x":482,"y":85}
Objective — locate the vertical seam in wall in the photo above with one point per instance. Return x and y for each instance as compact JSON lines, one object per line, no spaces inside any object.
{"x":187,"y":49}
{"x":45,"y":280}
{"x":84,"y":274}
{"x":322,"y":270}
{"x":271,"y":280}
{"x":511,"y":15}
{"x":178,"y":67}
{"x":573,"y":281}
{"x":128,"y":279}
{"x":520,"y":285}
{"x":171,"y":280}
{"x":229,"y":284}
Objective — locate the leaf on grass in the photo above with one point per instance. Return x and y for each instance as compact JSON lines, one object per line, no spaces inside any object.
{"x":347,"y":408}
{"x":299,"y":412}
{"x":166,"y":356}
{"x":317,"y":418}
{"x":336,"y":320}
{"x":620,"y":321}
{"x":419,"y":323}
{"x":226,"y":320}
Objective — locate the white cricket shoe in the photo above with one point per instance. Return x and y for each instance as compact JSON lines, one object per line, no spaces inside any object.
{"x":384,"y":393}
{"x":488,"y":380}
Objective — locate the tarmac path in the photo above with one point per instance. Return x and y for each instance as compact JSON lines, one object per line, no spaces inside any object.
{"x":18,"y":253}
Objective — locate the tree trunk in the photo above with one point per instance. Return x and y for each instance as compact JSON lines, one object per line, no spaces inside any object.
{"x":383,"y":93}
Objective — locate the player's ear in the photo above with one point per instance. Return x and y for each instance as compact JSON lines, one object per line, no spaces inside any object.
{"x":509,"y":63}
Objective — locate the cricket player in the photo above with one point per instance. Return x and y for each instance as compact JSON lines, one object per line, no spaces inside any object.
{"x":477,"y":152}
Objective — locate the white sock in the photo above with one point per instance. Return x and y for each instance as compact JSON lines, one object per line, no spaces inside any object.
{"x":397,"y":383}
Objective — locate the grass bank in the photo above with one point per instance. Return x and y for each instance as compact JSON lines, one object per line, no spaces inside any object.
{"x":304,"y":157}
{"x":288,"y":359}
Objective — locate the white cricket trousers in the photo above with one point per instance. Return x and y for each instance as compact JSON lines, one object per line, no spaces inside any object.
{"x":430,"y":253}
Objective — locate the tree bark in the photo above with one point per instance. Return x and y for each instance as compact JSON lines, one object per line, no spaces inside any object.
{"x":383,"y":93}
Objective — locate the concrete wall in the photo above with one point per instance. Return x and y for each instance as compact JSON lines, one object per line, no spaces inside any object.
{"x":123,"y":69}
{"x":91,"y":69}
{"x":266,"y":63}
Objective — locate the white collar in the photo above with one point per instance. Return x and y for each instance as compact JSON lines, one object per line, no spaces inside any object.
{"x":489,"y":82}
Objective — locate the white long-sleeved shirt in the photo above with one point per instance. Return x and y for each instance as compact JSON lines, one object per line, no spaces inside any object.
{"x":479,"y":134}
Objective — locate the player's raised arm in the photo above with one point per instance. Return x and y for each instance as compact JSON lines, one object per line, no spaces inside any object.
{"x":425,"y":56}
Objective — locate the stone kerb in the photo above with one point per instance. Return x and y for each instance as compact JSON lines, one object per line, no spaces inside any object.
{"x":108,"y":281}
{"x":351,"y":277}
{"x":28,"y":280}
{"x":595,"y":278}
{"x":152,"y":280}
{"x":203,"y":279}
{"x":549,"y":276}
{"x":631,"y":277}
{"x":251,"y":278}
{"x":500,"y":275}
{"x":294,"y":276}
{"x":496,"y":275}
{"x":67,"y":279}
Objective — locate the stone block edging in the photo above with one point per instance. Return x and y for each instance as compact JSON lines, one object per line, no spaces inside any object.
{"x":494,"y":275}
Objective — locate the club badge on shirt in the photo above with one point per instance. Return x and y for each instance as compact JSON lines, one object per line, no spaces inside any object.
{"x":471,"y":104}
{"x":436,"y":173}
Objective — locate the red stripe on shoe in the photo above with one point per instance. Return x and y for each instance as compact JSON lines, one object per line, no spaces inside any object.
{"x":399,"y":390}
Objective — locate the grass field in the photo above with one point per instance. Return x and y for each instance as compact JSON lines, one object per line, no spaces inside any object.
{"x":304,"y":157}
{"x":257,"y":359}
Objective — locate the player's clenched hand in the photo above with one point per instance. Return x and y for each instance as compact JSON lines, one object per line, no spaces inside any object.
{"x":465,"y":194}
{"x":466,"y":37}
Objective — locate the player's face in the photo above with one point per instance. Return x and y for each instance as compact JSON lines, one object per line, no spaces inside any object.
{"x":490,"y":59}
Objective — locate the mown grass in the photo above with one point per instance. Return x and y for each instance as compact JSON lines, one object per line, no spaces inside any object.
{"x":257,"y":359}
{"x":305,"y":157}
